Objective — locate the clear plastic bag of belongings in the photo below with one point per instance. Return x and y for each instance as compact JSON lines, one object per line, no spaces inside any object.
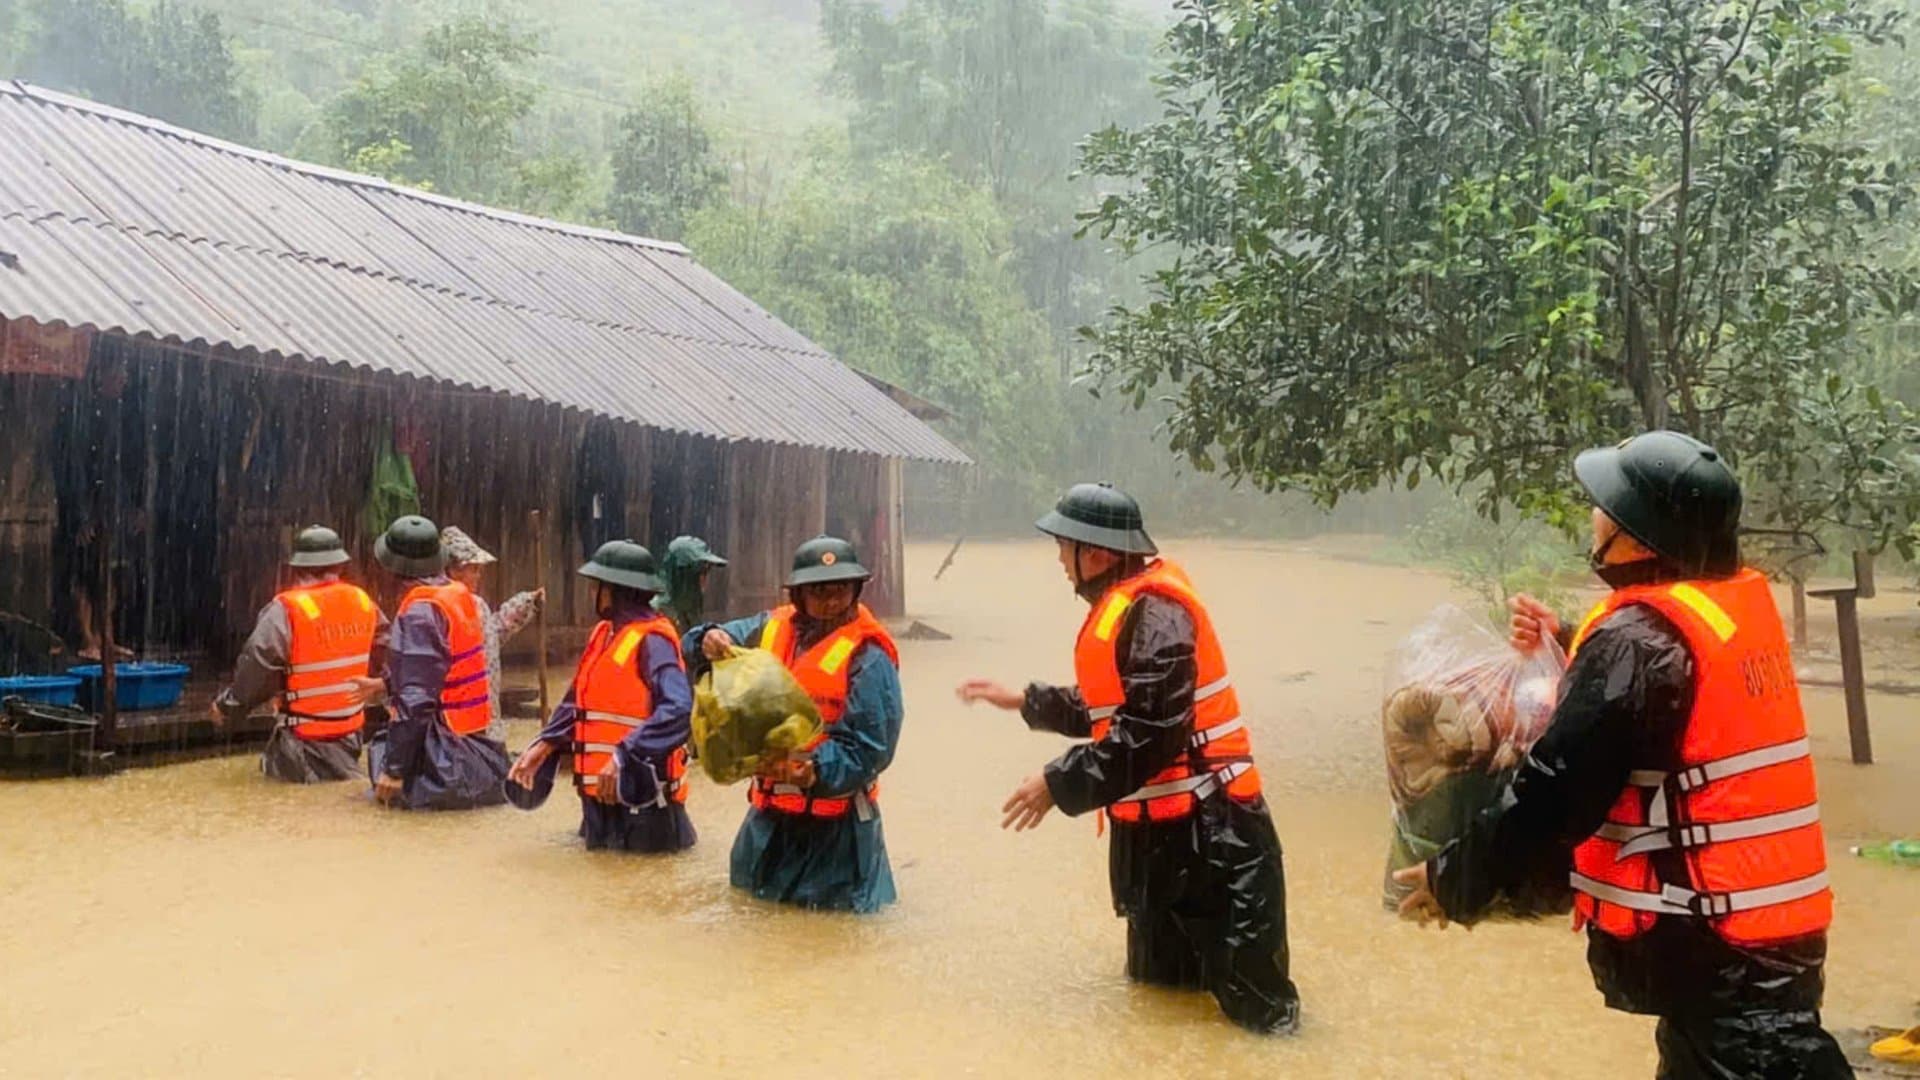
{"x":1460,"y":711}
{"x":746,"y":709}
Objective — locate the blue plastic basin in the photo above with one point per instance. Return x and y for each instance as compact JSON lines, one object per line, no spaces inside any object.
{"x":41,"y":689}
{"x":136,"y":686}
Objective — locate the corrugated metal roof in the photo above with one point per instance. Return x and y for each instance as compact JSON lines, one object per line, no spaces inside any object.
{"x":129,"y":225}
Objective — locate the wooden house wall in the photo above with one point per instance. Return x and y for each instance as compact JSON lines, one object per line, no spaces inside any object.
{"x":260,"y":449}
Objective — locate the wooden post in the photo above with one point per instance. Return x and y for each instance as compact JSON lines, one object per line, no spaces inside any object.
{"x":951,"y":552}
{"x":109,"y":679}
{"x":540,"y":612}
{"x":1853,"y":675}
{"x":150,"y":512}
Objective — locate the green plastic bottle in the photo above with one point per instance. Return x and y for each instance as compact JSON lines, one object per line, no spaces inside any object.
{"x":1897,"y":852}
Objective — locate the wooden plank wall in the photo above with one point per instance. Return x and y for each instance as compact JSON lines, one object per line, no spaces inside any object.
{"x":289,"y":446}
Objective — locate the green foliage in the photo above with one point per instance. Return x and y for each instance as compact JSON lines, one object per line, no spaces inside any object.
{"x":899,"y":269}
{"x":665,"y":168}
{"x":168,"y":60}
{"x":1002,"y":91}
{"x":444,"y":115}
{"x":1460,"y":240}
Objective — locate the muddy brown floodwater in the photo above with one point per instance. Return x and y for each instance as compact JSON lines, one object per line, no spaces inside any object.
{"x":196,"y":920}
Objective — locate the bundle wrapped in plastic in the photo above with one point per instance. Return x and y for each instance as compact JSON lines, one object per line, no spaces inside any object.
{"x":747,"y":709}
{"x":1461,"y":710}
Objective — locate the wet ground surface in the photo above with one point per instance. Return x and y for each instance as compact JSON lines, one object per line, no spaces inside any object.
{"x":197,"y":920}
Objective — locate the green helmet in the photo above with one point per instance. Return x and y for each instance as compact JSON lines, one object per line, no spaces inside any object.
{"x":317,"y":546}
{"x":692,"y":551}
{"x":411,"y":548}
{"x":626,"y":564}
{"x":1102,"y":516}
{"x":824,"y":559}
{"x":1671,"y":492}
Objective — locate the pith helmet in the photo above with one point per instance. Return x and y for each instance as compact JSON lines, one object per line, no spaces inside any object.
{"x":317,"y":546}
{"x":411,"y":548}
{"x":1100,"y":515}
{"x":627,"y":564}
{"x":824,"y":559}
{"x":1674,"y":494}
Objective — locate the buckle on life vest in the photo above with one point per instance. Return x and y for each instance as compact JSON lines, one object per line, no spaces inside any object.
{"x":1218,"y":731}
{"x":1200,"y":785}
{"x":1674,"y":900}
{"x":1642,"y":840}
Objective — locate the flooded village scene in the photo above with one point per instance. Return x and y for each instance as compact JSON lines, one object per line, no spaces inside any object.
{"x":959,"y":538}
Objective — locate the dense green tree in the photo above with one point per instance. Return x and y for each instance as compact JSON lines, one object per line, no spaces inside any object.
{"x":899,"y":269}
{"x":1002,"y":91}
{"x":1462,"y":238}
{"x":665,"y":168}
{"x":444,"y":115}
{"x":170,"y":60}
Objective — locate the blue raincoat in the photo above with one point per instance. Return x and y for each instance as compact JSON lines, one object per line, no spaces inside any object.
{"x":442,"y":770}
{"x":838,"y":863}
{"x":638,"y":824}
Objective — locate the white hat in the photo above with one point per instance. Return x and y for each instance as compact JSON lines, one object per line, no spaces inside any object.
{"x":461,"y":550}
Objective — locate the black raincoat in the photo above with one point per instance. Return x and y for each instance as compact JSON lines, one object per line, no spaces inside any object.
{"x":1726,"y":1011}
{"x":1205,"y":896}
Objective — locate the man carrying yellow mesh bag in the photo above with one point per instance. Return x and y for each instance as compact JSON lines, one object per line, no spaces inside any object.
{"x":812,"y":834}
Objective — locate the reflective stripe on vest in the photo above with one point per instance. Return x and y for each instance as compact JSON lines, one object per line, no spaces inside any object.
{"x":330,"y":640}
{"x":824,"y":671}
{"x":466,"y":703}
{"x":1740,"y":817}
{"x":612,"y":699}
{"x":1219,"y":751}
{"x":1676,"y":901}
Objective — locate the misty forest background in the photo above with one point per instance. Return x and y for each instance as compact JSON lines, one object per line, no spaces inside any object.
{"x":1277,"y":266}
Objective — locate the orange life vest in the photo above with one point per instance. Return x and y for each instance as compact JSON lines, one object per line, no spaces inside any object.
{"x":1741,"y":814}
{"x":611,"y":699}
{"x":1219,"y":754}
{"x":332,"y":643}
{"x":823,"y":672}
{"x":466,"y":697}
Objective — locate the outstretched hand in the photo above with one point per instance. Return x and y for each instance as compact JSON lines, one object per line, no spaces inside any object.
{"x":1028,"y":804}
{"x":528,"y":764}
{"x":975,"y":690}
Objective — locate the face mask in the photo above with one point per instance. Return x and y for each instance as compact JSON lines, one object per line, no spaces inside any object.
{"x":1597,"y":558}
{"x":1621,"y":575}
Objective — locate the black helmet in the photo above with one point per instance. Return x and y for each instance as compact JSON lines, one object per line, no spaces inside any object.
{"x":411,"y":548}
{"x":317,"y":546}
{"x":626,"y":564}
{"x":1102,"y":516}
{"x":824,"y":559}
{"x":1673,"y":493}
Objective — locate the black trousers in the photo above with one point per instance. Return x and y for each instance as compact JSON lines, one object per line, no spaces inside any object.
{"x":1748,"y":1046}
{"x":1222,"y":927}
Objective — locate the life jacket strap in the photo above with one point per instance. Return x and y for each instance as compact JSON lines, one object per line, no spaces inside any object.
{"x":1673,"y":900}
{"x":1200,"y":785}
{"x":330,"y":665}
{"x":1641,"y":840}
{"x":320,"y":691}
{"x":1699,"y":776}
